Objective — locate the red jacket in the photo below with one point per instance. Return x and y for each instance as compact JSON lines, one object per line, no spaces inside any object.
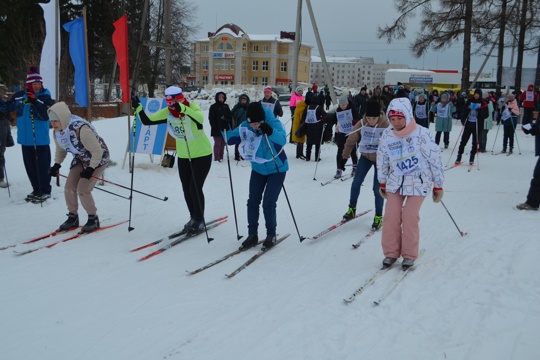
{"x":529,"y":98}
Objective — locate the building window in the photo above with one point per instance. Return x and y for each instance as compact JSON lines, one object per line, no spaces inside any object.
{"x":216,"y":64}
{"x":244,"y":65}
{"x":205,"y":48}
{"x":205,"y":80}
{"x":254,"y":81}
{"x":255,"y":66}
{"x":220,"y":47}
{"x":265,"y":48}
{"x":224,"y":64}
{"x":283,"y":66}
{"x":255,"y":48}
{"x":265,"y":66}
{"x":264,"y":81}
{"x":244,"y":47}
{"x":231,"y":64}
{"x":205,"y":64}
{"x":229,"y":46}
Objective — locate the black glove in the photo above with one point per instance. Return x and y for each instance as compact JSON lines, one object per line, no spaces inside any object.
{"x":266,"y":129}
{"x":31,"y":97}
{"x":178,"y":107}
{"x":87,"y":173}
{"x":223,"y":124}
{"x":53,"y":171}
{"x":135,"y":102}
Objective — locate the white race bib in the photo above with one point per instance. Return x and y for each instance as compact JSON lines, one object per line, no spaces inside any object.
{"x":345,"y":119}
{"x":404,"y":156}
{"x":311,"y":116}
{"x":249,"y":145}
{"x":268,"y":105}
{"x":369,"y":141}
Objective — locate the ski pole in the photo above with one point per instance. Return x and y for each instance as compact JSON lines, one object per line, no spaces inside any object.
{"x":454,"y":149}
{"x":110,"y":192}
{"x":128,"y":188}
{"x":132,"y":168}
{"x":477,"y":145}
{"x":302,"y":238}
{"x":194,"y":180}
{"x":319,"y":154}
{"x":238,"y":236}
{"x":496,"y":135}
{"x":445,"y":208}
{"x":515,"y":135}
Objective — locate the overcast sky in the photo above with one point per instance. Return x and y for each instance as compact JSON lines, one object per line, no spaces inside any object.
{"x":347,"y":28}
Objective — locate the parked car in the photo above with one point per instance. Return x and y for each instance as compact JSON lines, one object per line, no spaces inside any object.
{"x":283,"y":95}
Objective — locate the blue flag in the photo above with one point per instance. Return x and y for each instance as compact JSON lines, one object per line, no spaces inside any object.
{"x":77,"y":50}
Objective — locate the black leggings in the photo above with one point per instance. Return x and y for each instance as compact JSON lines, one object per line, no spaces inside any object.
{"x":341,"y":139}
{"x":192,"y":183}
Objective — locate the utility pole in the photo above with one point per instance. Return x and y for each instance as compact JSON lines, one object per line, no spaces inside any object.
{"x":167,"y":19}
{"x":321,"y":52}
{"x":297,"y":37}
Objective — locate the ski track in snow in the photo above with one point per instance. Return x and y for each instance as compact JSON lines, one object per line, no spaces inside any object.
{"x":471,"y":297}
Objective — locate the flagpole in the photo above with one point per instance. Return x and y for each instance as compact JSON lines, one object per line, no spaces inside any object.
{"x":89,"y":108}
{"x":57,"y":47}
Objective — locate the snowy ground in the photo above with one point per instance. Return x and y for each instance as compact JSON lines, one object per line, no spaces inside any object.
{"x":473,"y":297}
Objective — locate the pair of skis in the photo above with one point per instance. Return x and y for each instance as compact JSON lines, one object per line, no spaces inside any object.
{"x":69,"y":238}
{"x":378,"y":274}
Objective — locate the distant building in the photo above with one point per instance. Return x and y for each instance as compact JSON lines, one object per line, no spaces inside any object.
{"x":230,"y":56}
{"x":350,"y":71}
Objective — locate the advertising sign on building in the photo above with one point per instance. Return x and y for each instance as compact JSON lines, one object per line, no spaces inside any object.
{"x":224,"y":77}
{"x":224,"y":55}
{"x":420,"y":79}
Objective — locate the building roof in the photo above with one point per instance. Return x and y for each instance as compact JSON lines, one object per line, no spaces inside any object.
{"x":343,"y":59}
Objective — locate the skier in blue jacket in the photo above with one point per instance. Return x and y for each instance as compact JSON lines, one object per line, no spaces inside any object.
{"x":262,"y":138}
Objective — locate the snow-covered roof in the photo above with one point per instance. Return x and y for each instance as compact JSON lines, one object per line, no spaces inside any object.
{"x":342,"y":59}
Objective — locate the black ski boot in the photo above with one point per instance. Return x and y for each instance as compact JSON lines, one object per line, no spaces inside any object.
{"x":92,"y":224}
{"x":196,"y":226}
{"x":269,"y":242}
{"x":250,"y":242}
{"x":72,"y":222}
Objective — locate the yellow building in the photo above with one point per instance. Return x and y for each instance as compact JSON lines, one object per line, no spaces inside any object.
{"x":230,"y":56}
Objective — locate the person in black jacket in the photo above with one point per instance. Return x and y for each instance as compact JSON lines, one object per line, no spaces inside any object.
{"x":271,"y":103}
{"x":360,"y":100}
{"x":314,"y":116}
{"x":239,"y":113}
{"x":476,"y":110}
{"x":533,"y":197}
{"x":219,"y":111}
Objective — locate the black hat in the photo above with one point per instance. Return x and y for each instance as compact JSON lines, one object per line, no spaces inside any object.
{"x":478,"y":91}
{"x":373,"y":108}
{"x":255,"y":112}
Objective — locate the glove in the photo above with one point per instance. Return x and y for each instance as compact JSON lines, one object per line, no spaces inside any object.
{"x":135,"y":102}
{"x":53,"y":171}
{"x":266,"y":129}
{"x":31,"y":97}
{"x":87,"y":173}
{"x":324,"y":119}
{"x":382,"y":191}
{"x":223,"y":124}
{"x":437,"y":194}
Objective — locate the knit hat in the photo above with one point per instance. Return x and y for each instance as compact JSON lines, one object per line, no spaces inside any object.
{"x":478,"y":91}
{"x":267,"y":88}
{"x":174,"y":93}
{"x":343,"y":100}
{"x":373,"y":108}
{"x":510,"y":97}
{"x":400,"y":107}
{"x":255,"y":112}
{"x":33,"y":76}
{"x":364,"y":88}
{"x":298,"y":89}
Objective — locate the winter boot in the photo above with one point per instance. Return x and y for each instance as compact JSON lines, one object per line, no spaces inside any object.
{"x":3,"y":184}
{"x":30,"y":196}
{"x":269,"y":242}
{"x":339,"y":172}
{"x":350,"y":214}
{"x":388,"y":261}
{"x":377,"y":222}
{"x":458,"y":159}
{"x":503,"y":151}
{"x":511,"y":151}
{"x":250,"y":242}
{"x":92,"y":224}
{"x":38,"y":199}
{"x":186,"y":227}
{"x":406,"y":264}
{"x":196,"y":226}
{"x":526,"y":206}
{"x":72,"y":222}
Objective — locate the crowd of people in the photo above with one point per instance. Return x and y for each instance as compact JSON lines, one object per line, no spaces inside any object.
{"x":387,"y":129}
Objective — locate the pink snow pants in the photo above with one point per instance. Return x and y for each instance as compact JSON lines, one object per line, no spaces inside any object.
{"x":400,"y":232}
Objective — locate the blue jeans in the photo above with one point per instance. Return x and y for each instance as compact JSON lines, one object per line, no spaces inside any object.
{"x":364,"y":164}
{"x":271,"y":186}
